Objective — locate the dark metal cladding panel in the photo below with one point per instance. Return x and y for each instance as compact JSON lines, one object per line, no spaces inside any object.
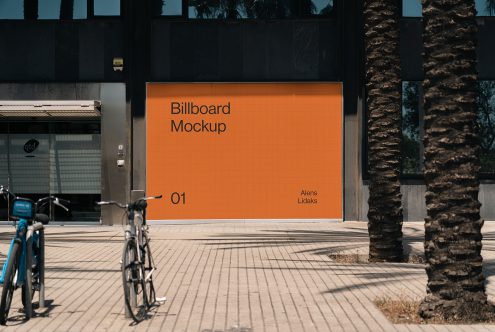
{"x":182,"y":51}
{"x":66,"y":52}
{"x":486,"y":48}
{"x":91,"y":44}
{"x":280,"y":50}
{"x":306,"y":50}
{"x":230,"y":51}
{"x":160,"y":51}
{"x":254,"y":51}
{"x":113,"y":48}
{"x":329,"y":59}
{"x":27,"y":51}
{"x":411,"y":49}
{"x":206,"y":51}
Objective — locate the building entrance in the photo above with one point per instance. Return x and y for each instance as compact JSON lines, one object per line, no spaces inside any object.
{"x":61,"y":158}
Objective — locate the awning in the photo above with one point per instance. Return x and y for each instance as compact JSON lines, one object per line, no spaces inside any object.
{"x":50,"y":109}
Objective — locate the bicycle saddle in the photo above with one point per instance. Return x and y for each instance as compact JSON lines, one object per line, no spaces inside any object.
{"x":43,"y":218}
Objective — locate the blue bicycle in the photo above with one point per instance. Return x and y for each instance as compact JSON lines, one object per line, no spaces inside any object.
{"x":24,"y":266}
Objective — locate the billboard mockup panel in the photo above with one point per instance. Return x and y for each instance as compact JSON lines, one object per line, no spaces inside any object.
{"x":244,"y":150}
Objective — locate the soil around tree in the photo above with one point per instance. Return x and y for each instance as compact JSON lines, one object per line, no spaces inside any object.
{"x":405,"y":310}
{"x":362,"y":258}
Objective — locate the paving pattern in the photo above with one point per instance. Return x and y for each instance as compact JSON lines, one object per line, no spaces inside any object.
{"x":231,"y":277}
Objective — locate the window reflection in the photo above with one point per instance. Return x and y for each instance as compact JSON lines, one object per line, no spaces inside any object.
{"x":262,"y":9}
{"x":412,"y":127}
{"x":62,"y":9}
{"x":486,"y":125}
{"x":411,"y":133}
{"x":168,"y":7}
{"x":485,"y":7}
{"x":412,"y":8}
{"x":11,"y":9}
{"x":107,"y":7}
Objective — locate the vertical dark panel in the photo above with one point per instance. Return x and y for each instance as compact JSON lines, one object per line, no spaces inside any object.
{"x":486,"y":48}
{"x":280,"y":50}
{"x":27,"y":51}
{"x":230,"y":51}
{"x":113,"y":48}
{"x":160,"y":51}
{"x":306,"y":46}
{"x":352,"y":74}
{"x":91,"y":52}
{"x":330,"y":51}
{"x":66,"y":52}
{"x":206,"y":51}
{"x":254,"y":52}
{"x":411,"y":49}
{"x":31,"y":9}
{"x":182,"y":67}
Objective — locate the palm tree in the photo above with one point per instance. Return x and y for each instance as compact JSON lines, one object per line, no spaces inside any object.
{"x":31,"y":9}
{"x":66,"y":9}
{"x":383,"y":84}
{"x":456,"y":285}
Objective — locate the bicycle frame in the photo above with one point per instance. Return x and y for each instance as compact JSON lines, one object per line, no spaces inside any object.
{"x":28,"y":235}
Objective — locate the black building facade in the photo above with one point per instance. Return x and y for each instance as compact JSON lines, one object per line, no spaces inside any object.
{"x":108,"y":51}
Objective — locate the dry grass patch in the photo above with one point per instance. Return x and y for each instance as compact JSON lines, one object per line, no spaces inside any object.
{"x":349,"y":258}
{"x":361,"y":258}
{"x":405,"y":310}
{"x":401,"y":310}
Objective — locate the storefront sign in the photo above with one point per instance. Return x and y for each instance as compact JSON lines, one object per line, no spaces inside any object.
{"x":244,"y":151}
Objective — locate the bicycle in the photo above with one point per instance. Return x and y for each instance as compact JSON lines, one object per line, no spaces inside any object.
{"x":25,"y":261}
{"x":137,"y":262}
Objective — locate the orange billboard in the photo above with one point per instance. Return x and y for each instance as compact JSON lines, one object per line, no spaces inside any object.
{"x":244,"y":150}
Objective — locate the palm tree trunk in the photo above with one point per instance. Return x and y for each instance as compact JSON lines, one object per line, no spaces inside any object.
{"x":383,"y":83}
{"x":456,"y":288}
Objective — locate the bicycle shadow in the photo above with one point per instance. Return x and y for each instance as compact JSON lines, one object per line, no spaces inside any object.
{"x":152,"y":311}
{"x":19,"y":318}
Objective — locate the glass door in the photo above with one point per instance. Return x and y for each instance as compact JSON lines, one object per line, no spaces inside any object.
{"x":57,"y":158}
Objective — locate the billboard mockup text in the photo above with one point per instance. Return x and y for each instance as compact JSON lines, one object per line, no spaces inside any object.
{"x":244,"y":151}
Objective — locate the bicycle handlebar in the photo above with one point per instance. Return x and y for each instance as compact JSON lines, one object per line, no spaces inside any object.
{"x":125,"y":206}
{"x":55,"y":200}
{"x":5,"y":191}
{"x":112,"y":203}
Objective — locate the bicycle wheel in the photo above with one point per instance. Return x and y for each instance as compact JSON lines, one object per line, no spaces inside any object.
{"x":9,"y":282}
{"x":148,"y":270}
{"x":133,"y":282}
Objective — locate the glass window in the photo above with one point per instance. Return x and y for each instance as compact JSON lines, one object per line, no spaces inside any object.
{"x":486,"y":125}
{"x":267,"y":9}
{"x":322,"y":7}
{"x":62,"y":9}
{"x":80,"y":9}
{"x":485,"y":7}
{"x":412,"y":127}
{"x":411,"y":8}
{"x":11,"y":9}
{"x":167,"y":7}
{"x":106,"y":7}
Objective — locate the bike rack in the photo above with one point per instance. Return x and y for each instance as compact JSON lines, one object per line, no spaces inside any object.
{"x":29,"y":240}
{"x":42,"y":267}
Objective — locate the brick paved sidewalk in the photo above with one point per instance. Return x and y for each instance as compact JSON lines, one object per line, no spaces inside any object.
{"x":231,"y":277}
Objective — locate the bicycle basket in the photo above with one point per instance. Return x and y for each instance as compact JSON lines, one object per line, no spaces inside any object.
{"x":23,"y":208}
